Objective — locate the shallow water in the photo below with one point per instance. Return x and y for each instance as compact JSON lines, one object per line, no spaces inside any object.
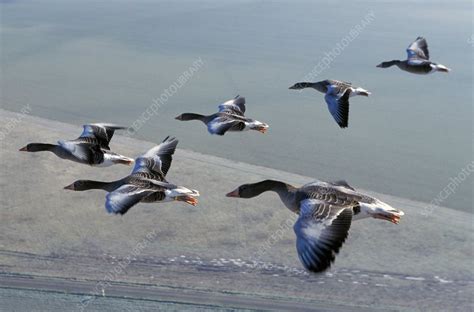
{"x":107,"y":61}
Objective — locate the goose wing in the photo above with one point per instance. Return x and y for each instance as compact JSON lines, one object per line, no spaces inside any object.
{"x":157,"y":159}
{"x":124,"y":198}
{"x":101,"y":132}
{"x":84,"y":152}
{"x":331,"y":193}
{"x":128,"y":195}
{"x":417,"y":51}
{"x":234,"y":106}
{"x":338,"y":105}
{"x":223,"y":123}
{"x":320,"y":230}
{"x":337,"y":85}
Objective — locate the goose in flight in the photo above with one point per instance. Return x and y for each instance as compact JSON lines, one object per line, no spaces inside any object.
{"x":146,"y":183}
{"x":326,"y":211}
{"x":337,"y":97}
{"x":417,"y":61}
{"x":90,"y":148}
{"x":230,"y":117}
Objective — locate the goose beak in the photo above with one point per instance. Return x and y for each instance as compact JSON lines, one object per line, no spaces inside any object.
{"x":379,"y":66}
{"x":234,"y":193}
{"x":69,"y":187}
{"x":178,"y":117}
{"x":292,"y":88}
{"x":23,"y":149}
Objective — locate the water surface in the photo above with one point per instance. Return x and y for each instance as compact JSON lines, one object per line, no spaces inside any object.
{"x":83,"y":61}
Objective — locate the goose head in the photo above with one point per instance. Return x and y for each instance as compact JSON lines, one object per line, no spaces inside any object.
{"x":243,"y":191}
{"x":79,"y":185}
{"x":388,"y":64}
{"x":254,"y":189}
{"x":299,"y":86}
{"x":37,"y":147}
{"x":321,"y":86}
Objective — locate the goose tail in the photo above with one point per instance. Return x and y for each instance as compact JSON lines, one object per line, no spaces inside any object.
{"x":379,"y":210}
{"x":386,"y":212}
{"x":113,"y":158}
{"x":360,"y":91}
{"x":125,"y":161}
{"x":183,"y":194}
{"x":442,"y":68}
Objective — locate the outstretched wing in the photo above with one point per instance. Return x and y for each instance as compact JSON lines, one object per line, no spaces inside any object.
{"x":124,"y":198}
{"x":234,"y":106}
{"x":320,"y":232}
{"x":338,"y":105}
{"x":417,"y":51}
{"x":83,"y":152}
{"x":157,"y":159}
{"x":331,"y":194}
{"x":101,"y":132}
{"x":221,"y":124}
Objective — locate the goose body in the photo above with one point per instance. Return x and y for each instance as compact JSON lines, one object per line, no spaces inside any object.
{"x":326,"y":211}
{"x":230,"y":117}
{"x":417,"y":61}
{"x":90,"y":148}
{"x":146,"y":183}
{"x":337,"y":94}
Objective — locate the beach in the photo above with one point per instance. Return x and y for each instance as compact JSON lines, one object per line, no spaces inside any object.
{"x":235,"y":248}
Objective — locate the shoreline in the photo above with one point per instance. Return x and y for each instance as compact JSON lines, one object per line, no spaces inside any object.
{"x":138,"y":144}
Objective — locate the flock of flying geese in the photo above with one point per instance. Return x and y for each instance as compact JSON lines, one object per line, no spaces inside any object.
{"x":325,"y":209}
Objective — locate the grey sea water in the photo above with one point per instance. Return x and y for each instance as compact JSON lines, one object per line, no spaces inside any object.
{"x":84,"y":61}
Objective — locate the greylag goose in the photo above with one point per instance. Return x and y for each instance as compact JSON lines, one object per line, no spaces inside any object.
{"x":229,"y":118}
{"x":337,"y":97}
{"x":146,"y":183}
{"x":417,"y":61}
{"x":90,"y":148}
{"x":325,"y":211}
